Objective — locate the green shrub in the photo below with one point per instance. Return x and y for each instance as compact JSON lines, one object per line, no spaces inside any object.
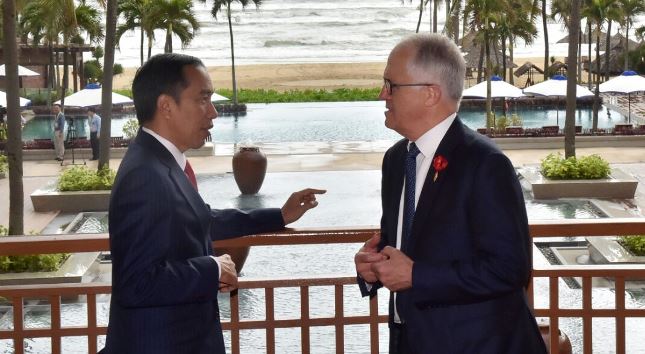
{"x":30,"y":263}
{"x":3,"y":131}
{"x":81,"y":178}
{"x":117,"y":69}
{"x":516,"y":120}
{"x":635,"y":244}
{"x":93,"y":71}
{"x":4,"y":166}
{"x":554,"y":166}
{"x":130,"y":128}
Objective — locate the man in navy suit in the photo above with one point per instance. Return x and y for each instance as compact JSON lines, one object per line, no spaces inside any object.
{"x":165,"y":279}
{"x":454,"y":248}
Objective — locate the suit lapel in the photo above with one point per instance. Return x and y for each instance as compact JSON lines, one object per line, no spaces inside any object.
{"x":176,"y":175}
{"x":427,"y":200}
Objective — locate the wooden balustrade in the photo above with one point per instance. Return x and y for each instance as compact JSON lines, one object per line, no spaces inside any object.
{"x":16,"y":295}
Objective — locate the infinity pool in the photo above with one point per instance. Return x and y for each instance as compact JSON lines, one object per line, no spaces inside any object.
{"x":328,"y":121}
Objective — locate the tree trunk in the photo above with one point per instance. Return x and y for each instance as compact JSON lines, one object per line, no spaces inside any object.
{"x":420,"y":14}
{"x":434,"y":16}
{"x":596,"y":98}
{"x":546,"y":41}
{"x":168,"y":47}
{"x":230,"y":31}
{"x":489,"y":101}
{"x":607,"y":50}
{"x":106,"y":94}
{"x":480,"y":64}
{"x":572,"y":56}
{"x":589,"y":74}
{"x":65,"y":75}
{"x":504,"y":58}
{"x":141,"y":50}
{"x":512,"y":60}
{"x":627,"y":48}
{"x":14,"y":139}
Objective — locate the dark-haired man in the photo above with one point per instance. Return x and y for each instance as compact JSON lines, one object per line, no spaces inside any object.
{"x":165,"y":279}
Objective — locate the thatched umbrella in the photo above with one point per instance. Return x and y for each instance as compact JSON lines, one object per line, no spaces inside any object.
{"x":529,"y":68}
{"x":472,"y":50}
{"x":557,"y":67}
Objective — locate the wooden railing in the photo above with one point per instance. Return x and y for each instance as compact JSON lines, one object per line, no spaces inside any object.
{"x":16,"y":295}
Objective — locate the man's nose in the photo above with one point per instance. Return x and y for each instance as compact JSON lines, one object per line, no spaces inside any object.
{"x":383,"y":95}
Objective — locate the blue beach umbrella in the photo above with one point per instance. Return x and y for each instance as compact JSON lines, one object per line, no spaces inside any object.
{"x":556,"y":86}
{"x":499,"y":88}
{"x":627,"y":82}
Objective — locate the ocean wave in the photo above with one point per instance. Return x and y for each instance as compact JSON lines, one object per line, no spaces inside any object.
{"x":293,"y":43}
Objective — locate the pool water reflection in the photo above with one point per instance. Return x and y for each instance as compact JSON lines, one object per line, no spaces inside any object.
{"x":327,"y":121}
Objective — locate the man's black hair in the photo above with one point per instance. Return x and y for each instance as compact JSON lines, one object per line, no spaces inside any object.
{"x":161,"y":74}
{"x":92,"y":109}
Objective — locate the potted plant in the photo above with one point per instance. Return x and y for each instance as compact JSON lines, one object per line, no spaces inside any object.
{"x":584,"y":177}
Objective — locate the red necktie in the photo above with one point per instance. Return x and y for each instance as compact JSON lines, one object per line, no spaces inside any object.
{"x":191,"y":174}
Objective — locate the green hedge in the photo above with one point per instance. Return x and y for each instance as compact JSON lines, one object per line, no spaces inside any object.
{"x":634,"y":243}
{"x":554,"y":166}
{"x":30,"y":263}
{"x":82,"y":178}
{"x":274,"y":96}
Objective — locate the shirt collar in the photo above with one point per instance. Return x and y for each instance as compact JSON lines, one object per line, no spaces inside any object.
{"x":429,"y":141}
{"x":178,"y":155}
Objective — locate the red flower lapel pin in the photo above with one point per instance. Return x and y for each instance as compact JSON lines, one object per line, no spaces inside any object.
{"x":439,"y":164}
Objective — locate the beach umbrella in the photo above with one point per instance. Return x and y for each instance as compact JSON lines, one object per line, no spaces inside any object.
{"x":22,"y":71}
{"x":3,"y":100}
{"x":627,"y":83}
{"x":499,"y":88}
{"x":91,"y":96}
{"x":556,"y":86}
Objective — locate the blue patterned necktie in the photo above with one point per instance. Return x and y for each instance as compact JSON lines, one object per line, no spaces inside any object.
{"x":410,"y":188}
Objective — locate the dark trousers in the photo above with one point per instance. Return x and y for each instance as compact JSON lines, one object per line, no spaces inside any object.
{"x":94,"y":143}
{"x":398,"y":340}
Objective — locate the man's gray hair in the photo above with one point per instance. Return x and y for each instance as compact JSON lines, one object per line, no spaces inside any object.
{"x":438,"y":58}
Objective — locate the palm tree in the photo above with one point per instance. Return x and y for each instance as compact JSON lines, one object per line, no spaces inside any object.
{"x":217,"y":7}
{"x":569,"y":125}
{"x":14,"y":140}
{"x":546,"y":40}
{"x":514,"y":25}
{"x":614,"y":13}
{"x":135,"y":13}
{"x":596,"y":11}
{"x":106,"y":94}
{"x":176,"y":17}
{"x":630,"y":10}
{"x":485,"y":16}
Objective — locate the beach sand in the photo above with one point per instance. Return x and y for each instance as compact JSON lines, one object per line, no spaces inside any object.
{"x":284,"y":77}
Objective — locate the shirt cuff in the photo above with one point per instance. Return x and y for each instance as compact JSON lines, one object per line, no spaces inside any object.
{"x":219,"y":268}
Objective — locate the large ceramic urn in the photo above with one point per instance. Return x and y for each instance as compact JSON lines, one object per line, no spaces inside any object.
{"x":249,"y":169}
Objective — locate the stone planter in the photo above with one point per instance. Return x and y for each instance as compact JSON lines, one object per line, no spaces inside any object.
{"x":249,"y":169}
{"x":49,"y":199}
{"x":619,"y":185}
{"x":607,"y":250}
{"x":71,"y":271}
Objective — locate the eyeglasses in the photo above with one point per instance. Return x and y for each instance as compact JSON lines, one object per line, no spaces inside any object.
{"x":389,"y":85}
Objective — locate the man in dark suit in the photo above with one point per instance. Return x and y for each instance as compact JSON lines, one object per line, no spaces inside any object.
{"x":165,"y":279}
{"x":454,"y":248}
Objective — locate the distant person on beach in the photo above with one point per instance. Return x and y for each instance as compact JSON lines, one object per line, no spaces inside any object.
{"x":454,"y":248}
{"x":59,"y":132}
{"x":95,"y":131}
{"x":165,"y":279}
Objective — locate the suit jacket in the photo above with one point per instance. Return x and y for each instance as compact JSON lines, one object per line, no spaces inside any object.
{"x":164,"y":282}
{"x":471,"y":250}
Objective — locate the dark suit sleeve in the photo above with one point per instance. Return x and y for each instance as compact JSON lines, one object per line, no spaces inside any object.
{"x":229,"y":223}
{"x":498,"y":229}
{"x":158,"y":259}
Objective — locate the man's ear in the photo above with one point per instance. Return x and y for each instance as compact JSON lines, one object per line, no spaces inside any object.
{"x":433,"y":95}
{"x":165,"y":103}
